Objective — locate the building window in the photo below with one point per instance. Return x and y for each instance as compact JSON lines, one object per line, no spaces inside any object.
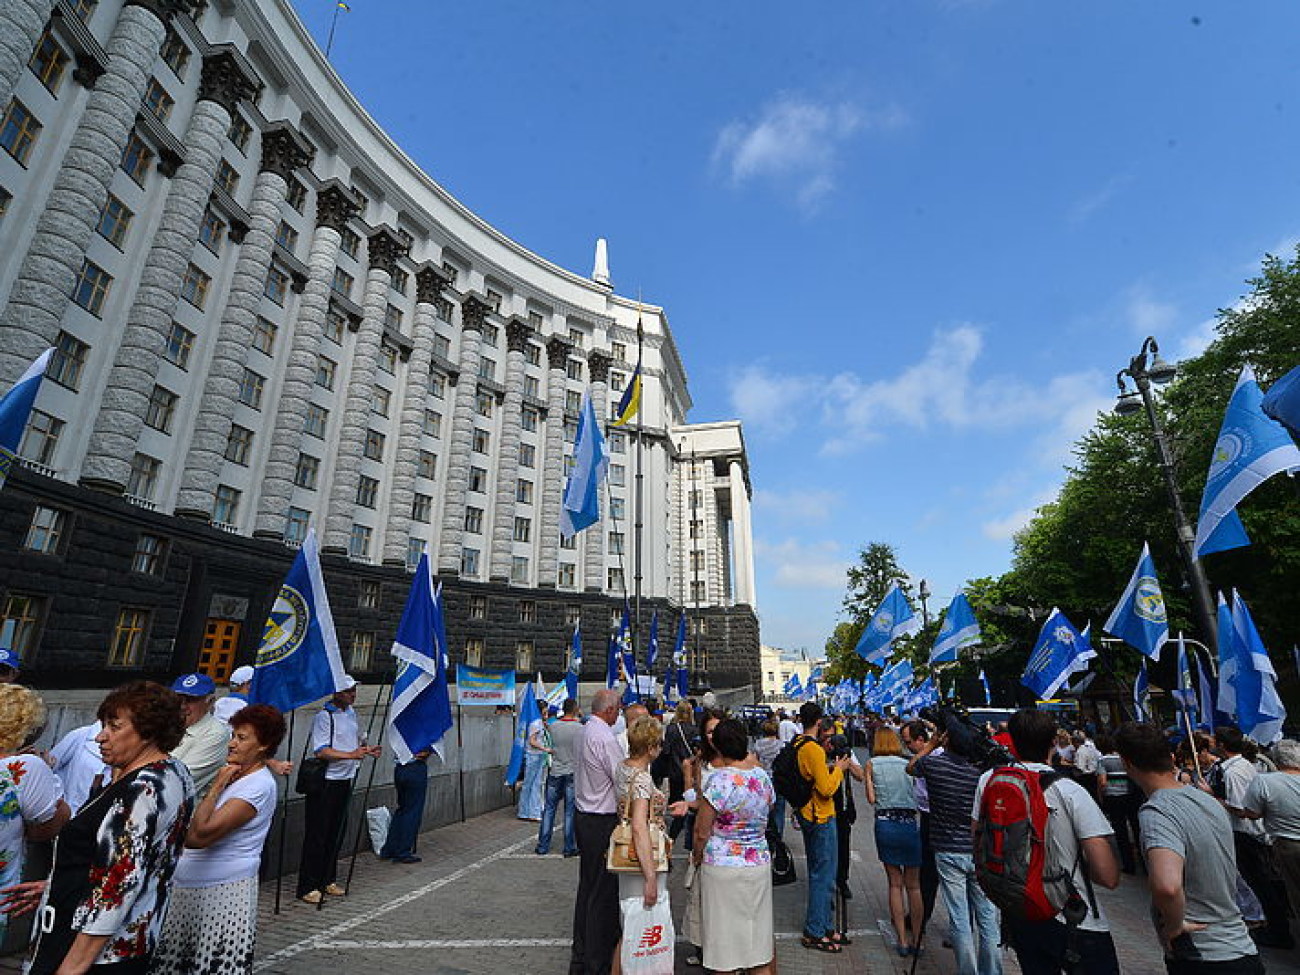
{"x":617,"y":443}
{"x":180,"y":343}
{"x":48,"y":62}
{"x":618,"y":351}
{"x":114,"y":221}
{"x":474,"y":652}
{"x":576,"y":337}
{"x":367,"y":491}
{"x":368,"y":594}
{"x":483,"y":402}
{"x":529,"y":419}
{"x":359,"y":542}
{"x":524,"y":656}
{"x":342,"y":282}
{"x":532,"y":387}
{"x":441,"y":346}
{"x":478,"y":607}
{"x":174,"y":53}
{"x":617,"y":475}
{"x":194,"y":287}
{"x":616,"y":381}
{"x":277,"y":285}
{"x":326,"y":368}
{"x":393,"y":318}
{"x":68,"y":361}
{"x":616,"y":506}
{"x":469,"y":558}
{"x":22,"y":618}
{"x":41,"y":437}
{"x":157,"y":101}
{"x":478,"y":480}
{"x":212,"y":232}
{"x":315,"y":420}
{"x":264,"y":335}
{"x":427,"y":464}
{"x":374,"y":447}
{"x":286,"y":236}
{"x":527,"y":455}
{"x":474,"y":520}
{"x":570,"y":431}
{"x":573,"y":369}
{"x":487,"y":369}
{"x":239,"y":133}
{"x":527,"y":611}
{"x":572,"y":401}
{"x":615,"y":543}
{"x":523,"y":491}
{"x":363,"y":647}
{"x":614,"y":581}
{"x":307,"y":471}
{"x":127,"y":649}
{"x":570,"y":543}
{"x":296,"y":196}
{"x":161,"y":409}
{"x":93,"y":284}
{"x":422,"y":508}
{"x":250,"y":389}
{"x":437,"y":385}
{"x":381,"y":402}
{"x":494,"y":301}
{"x":519,"y":570}
{"x":238,"y":443}
{"x":295,"y":525}
{"x":45,"y":530}
{"x":414,"y":549}
{"x":523,"y":529}
{"x":143,"y":479}
{"x":697,"y":528}
{"x":349,"y":242}
{"x":18,"y":131}
{"x":697,"y":561}
{"x":697,"y":592}
{"x":363,"y":202}
{"x":442,"y":307}
{"x":388,"y":357}
{"x":225,"y":510}
{"x":568,"y":576}
{"x":433,"y":423}
{"x":335,"y":323}
{"x":227,"y":177}
{"x":533,"y":354}
{"x":481,"y":441}
{"x":136,"y":158}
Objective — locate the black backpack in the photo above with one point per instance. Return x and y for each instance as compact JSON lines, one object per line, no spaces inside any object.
{"x":787,"y":780}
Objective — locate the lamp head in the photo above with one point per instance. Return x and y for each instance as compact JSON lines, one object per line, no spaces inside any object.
{"x":1129,"y":402}
{"x":1161,"y":372}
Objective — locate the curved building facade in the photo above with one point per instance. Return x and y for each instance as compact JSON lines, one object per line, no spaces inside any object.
{"x":266,"y":316}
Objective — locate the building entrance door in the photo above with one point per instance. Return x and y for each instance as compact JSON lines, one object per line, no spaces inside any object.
{"x":217,"y":657}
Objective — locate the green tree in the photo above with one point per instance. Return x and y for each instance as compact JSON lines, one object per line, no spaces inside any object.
{"x":876,"y":570}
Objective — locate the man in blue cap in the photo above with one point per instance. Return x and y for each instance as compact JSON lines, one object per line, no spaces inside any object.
{"x":9,"y":666}
{"x":206,"y":742}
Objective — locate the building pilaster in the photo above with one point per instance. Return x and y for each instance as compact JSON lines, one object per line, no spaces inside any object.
{"x":473,"y":310}
{"x":503,"y":522}
{"x":593,"y":539}
{"x":743,"y":543}
{"x":551,"y":487}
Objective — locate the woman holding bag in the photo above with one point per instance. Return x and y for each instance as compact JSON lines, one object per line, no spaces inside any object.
{"x":642,"y":802}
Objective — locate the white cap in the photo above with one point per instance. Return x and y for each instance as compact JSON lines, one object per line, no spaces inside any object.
{"x":349,"y":682}
{"x":242,"y":675}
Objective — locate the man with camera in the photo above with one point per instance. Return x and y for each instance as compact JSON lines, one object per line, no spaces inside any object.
{"x":817,"y":822}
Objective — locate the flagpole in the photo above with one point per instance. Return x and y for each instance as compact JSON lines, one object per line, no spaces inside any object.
{"x":638,"y":494}
{"x":284,"y":824}
{"x":622,"y":571}
{"x":370,"y":780}
{"x":329,"y":43}
{"x":460,"y":754}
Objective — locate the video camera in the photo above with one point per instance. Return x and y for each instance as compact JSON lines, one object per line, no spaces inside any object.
{"x":837,"y":746}
{"x":966,"y":738}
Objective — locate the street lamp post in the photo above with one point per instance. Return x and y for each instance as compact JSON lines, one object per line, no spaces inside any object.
{"x":924,"y":593}
{"x":1144,"y":369}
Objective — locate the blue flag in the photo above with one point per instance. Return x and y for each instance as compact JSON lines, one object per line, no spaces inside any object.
{"x":298,"y":661}
{"x":1252,"y":447}
{"x":652,"y":650}
{"x":1226,"y":699}
{"x":892,"y":619}
{"x":960,"y":630}
{"x":1139,"y":617}
{"x":16,"y":407}
{"x":792,"y":687}
{"x":1260,"y":714}
{"x":1206,"y":697}
{"x":580,"y":507}
{"x":895,"y":681}
{"x":1142,"y":694}
{"x":421,"y":710}
{"x":574,"y":670}
{"x":1282,"y":401}
{"x":984,"y":683}
{"x":528,"y":713}
{"x":1185,"y":692}
{"x":1060,"y":652}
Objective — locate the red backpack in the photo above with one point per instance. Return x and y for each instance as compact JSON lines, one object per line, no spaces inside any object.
{"x":1014,"y":863}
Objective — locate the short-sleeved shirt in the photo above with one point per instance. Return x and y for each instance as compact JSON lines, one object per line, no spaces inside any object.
{"x":787,"y":730}
{"x":1277,"y":796}
{"x":77,"y":761}
{"x":238,"y":854}
{"x":1085,"y":758}
{"x":565,"y":735}
{"x":1238,"y":773}
{"x":29,"y":793}
{"x":1192,"y":824}
{"x":1117,"y":781}
{"x":229,"y":706}
{"x":767,"y":749}
{"x":536,"y":727}
{"x":741,"y":799}
{"x":1072,"y":816}
{"x":343,"y":734}
{"x":203,"y":750}
{"x":951,"y":782}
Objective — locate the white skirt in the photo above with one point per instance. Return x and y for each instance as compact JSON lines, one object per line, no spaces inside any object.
{"x":737,"y":916}
{"x":209,"y":929}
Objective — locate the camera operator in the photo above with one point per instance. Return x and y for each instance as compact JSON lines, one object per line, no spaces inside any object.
{"x":915,"y":734}
{"x":846,"y":810}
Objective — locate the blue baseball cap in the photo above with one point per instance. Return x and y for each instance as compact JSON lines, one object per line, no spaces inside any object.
{"x":194,"y":685}
{"x":9,"y":658}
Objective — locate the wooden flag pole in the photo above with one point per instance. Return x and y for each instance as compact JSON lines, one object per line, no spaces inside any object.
{"x":284,"y":825}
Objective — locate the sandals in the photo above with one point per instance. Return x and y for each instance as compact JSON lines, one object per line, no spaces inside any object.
{"x":825,"y":944}
{"x":840,"y":938}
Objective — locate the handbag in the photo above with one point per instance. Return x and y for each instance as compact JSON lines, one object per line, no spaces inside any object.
{"x":311,"y":770}
{"x":621,"y":855}
{"x":783,"y":871}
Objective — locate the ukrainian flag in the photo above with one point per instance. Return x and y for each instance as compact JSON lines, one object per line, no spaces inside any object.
{"x":630,"y":404}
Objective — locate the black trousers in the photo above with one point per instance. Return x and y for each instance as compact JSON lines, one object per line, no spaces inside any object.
{"x":1040,"y":947}
{"x":1122,"y":813}
{"x":929,"y":870}
{"x":1255,"y":863}
{"x":325,"y":817}
{"x":1248,"y":965}
{"x":596,"y":923}
{"x":843,"y":837}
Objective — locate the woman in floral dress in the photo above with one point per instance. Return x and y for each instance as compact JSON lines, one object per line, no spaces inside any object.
{"x":730,"y":823}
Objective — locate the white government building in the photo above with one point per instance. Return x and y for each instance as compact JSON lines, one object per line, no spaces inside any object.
{"x":266,"y":317}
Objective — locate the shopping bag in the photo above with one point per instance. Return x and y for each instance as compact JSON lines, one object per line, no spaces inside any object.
{"x":693,"y":921}
{"x":377,"y":821}
{"x":648,"y":938}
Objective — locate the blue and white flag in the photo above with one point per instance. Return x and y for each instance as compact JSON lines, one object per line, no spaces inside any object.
{"x":792,"y":687}
{"x":1142,"y":694}
{"x":652,"y":649}
{"x":892,"y":619}
{"x":421,"y":710}
{"x":960,"y":630}
{"x":895,"y":681}
{"x":1205,"y":695}
{"x":923,"y":695}
{"x":580,"y":507}
{"x":16,"y":408}
{"x":528,"y":713}
{"x":574,"y":670}
{"x":1139,"y":618}
{"x":1229,"y":660}
{"x":818,"y":673}
{"x":984,"y":683}
{"x":678,"y":679}
{"x":1060,"y":652}
{"x":1252,"y":447}
{"x":298,"y":660}
{"x":1260,"y":714}
{"x":1185,"y":691}
{"x":1282,"y":401}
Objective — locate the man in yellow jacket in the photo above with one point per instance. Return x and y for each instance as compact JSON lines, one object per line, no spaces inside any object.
{"x":817,"y":823}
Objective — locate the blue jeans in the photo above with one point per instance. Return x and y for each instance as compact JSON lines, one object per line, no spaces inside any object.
{"x":557,"y":787}
{"x":973,"y":921}
{"x":776,"y":818}
{"x":530,"y":793}
{"x":821,"y":847}
{"x":411,"y":783}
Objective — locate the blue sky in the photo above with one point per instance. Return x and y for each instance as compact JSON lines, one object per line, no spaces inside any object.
{"x":907,"y":243}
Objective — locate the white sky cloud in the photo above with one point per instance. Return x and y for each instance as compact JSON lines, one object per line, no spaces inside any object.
{"x":1146,"y":314}
{"x":1004,"y":528}
{"x":1090,"y":203}
{"x":797,"y":564}
{"x":811,"y":505}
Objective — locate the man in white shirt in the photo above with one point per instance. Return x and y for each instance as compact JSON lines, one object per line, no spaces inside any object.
{"x":1086,"y":758}
{"x":595,"y":909}
{"x":206,"y":743}
{"x":788,"y":729}
{"x":1075,"y":826}
{"x":234,"y":702}
{"x":78,"y":764}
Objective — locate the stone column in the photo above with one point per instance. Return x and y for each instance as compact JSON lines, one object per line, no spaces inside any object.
{"x":593,"y":539}
{"x":742,"y":540}
{"x":429,"y":283}
{"x":382,"y":251}
{"x":473,"y":310}
{"x":503,"y":521}
{"x":24,"y":21}
{"x":335,"y":206}
{"x":107,"y":464}
{"x":283,"y":152}
{"x":551,"y":480}
{"x":44,"y":283}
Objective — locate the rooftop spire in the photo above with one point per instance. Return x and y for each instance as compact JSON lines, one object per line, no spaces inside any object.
{"x":600,"y":273}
